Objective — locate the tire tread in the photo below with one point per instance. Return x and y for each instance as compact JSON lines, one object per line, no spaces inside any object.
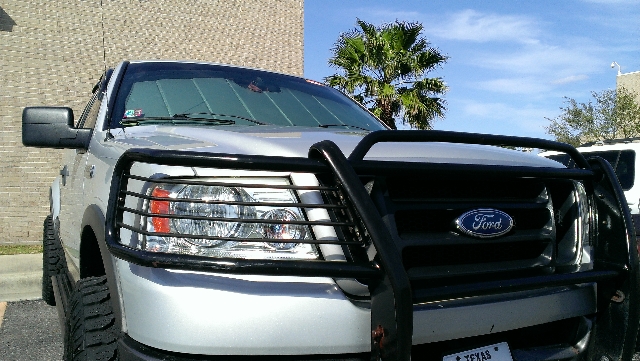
{"x":91,"y":333}
{"x":52,"y":259}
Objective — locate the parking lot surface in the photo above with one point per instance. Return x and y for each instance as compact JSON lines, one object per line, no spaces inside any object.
{"x":29,"y":331}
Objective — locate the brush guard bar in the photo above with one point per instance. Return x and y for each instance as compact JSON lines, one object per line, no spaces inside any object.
{"x":392,"y":298}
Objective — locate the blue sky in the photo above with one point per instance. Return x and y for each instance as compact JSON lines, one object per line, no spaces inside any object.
{"x":511,"y":62}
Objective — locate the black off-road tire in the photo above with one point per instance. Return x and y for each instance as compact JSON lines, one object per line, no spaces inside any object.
{"x":52,"y":259}
{"x":91,"y":330}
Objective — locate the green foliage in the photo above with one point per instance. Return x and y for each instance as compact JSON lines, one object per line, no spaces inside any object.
{"x":612,"y":115}
{"x":384,"y":68}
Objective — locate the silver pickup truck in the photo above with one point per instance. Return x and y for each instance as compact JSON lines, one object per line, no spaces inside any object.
{"x":212,"y":212}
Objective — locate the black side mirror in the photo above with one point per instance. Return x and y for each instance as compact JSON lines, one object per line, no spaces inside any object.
{"x":52,"y":127}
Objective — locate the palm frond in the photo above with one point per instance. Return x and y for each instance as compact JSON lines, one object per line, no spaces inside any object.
{"x":385,"y":66}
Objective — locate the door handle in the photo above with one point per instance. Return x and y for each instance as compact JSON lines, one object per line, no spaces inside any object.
{"x":64,"y":172}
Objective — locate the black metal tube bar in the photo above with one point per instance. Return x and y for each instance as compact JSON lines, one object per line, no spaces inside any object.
{"x":234,"y":239}
{"x":244,"y":266}
{"x":222,"y":160}
{"x":391,"y":307}
{"x":368,"y":141}
{"x":373,"y":167}
{"x":231,"y":203}
{"x":511,"y":285}
{"x":238,"y":220}
{"x":191,"y":181}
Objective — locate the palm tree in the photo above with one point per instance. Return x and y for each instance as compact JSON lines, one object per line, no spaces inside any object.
{"x":384,"y":68}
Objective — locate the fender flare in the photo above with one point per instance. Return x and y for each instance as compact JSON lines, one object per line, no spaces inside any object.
{"x":54,"y":198}
{"x":94,"y":217}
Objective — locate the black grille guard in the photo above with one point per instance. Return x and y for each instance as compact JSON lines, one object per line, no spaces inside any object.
{"x":392,"y":298}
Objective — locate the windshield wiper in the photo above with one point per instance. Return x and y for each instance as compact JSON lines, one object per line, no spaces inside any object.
{"x":191,"y":116}
{"x":174,"y":120}
{"x":342,"y":125}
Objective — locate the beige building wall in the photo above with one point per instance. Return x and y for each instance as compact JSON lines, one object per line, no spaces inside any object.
{"x":630,"y":81}
{"x":53,"y":51}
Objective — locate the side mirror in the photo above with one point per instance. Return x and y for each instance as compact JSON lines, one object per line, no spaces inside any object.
{"x":52,"y":127}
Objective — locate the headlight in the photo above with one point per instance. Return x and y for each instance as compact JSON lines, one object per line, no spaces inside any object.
{"x":573,"y":219}
{"x":248,"y":218}
{"x":584,"y":224}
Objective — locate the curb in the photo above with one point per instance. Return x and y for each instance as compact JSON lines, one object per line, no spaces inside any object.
{"x":20,"y":277}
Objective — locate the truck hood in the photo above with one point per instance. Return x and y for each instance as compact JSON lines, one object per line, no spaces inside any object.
{"x":295,"y":142}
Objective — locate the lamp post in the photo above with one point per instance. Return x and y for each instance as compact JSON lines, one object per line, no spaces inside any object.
{"x":613,"y":66}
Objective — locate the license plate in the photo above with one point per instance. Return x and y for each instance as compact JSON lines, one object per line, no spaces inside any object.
{"x":497,"y":352}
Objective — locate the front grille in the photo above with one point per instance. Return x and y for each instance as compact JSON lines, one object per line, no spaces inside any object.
{"x":456,"y":190}
{"x":472,"y":254}
{"x":438,"y":218}
{"x":420,"y":212}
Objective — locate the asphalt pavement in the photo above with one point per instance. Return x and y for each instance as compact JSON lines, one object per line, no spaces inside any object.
{"x":29,"y":328}
{"x":29,"y":331}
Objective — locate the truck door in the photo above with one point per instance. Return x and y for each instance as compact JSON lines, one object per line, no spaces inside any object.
{"x":73,"y":174}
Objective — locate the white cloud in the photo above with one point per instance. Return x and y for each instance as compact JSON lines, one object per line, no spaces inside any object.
{"x":525,"y":85}
{"x":570,"y":79}
{"x":535,"y":70}
{"x":512,"y":120}
{"x":536,"y":67}
{"x":543,"y":60}
{"x":519,"y":53}
{"x":470,"y":25}
{"x":539,"y":68}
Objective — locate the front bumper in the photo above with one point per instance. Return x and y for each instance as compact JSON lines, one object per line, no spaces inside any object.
{"x":131,"y":350}
{"x":259,"y":315}
{"x":254,"y":315}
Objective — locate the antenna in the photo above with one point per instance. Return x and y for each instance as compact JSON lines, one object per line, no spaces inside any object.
{"x":104,"y":48}
{"x":104,"y":62}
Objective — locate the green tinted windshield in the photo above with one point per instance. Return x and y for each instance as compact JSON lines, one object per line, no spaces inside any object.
{"x":622,"y":161}
{"x":248,"y":97}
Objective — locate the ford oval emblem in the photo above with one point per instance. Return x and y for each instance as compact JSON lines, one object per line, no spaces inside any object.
{"x":485,"y":223}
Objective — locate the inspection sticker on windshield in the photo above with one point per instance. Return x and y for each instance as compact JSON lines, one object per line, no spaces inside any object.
{"x":132,"y":113}
{"x":497,"y":352}
{"x":314,"y":82}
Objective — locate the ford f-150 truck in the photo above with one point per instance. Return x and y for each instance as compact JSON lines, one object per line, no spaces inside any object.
{"x":213,"y":212}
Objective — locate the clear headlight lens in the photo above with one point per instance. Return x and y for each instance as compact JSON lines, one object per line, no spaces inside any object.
{"x":573,"y":220}
{"x":584,"y":216}
{"x":228,"y":221}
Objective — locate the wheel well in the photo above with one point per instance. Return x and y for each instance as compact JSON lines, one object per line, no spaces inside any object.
{"x":90,"y":257}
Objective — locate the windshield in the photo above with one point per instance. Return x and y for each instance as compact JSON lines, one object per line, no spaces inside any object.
{"x":622,"y":161}
{"x":214,"y":95}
